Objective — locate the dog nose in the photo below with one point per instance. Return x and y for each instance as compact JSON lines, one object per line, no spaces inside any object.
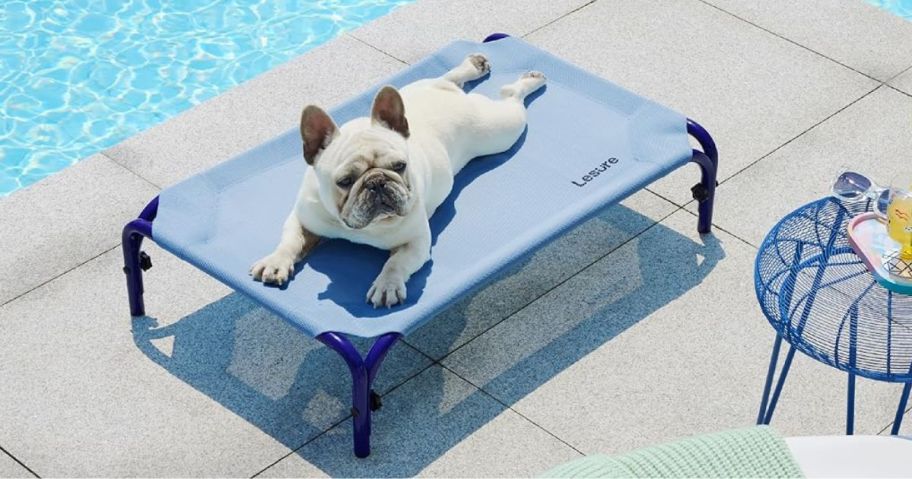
{"x":375,"y":183}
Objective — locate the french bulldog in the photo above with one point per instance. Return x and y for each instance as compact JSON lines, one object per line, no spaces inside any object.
{"x":376,"y":180}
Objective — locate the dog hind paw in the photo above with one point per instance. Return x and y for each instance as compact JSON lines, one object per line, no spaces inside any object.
{"x":480,"y":62}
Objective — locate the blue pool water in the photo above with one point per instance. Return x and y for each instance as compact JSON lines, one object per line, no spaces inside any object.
{"x":78,"y":76}
{"x":903,"y":8}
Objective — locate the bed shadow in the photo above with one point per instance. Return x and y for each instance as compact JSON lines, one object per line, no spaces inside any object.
{"x":297,"y":391}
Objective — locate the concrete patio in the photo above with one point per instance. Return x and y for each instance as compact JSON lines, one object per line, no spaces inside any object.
{"x":592,"y":346}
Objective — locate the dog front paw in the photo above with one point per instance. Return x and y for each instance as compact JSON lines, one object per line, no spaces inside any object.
{"x":275,"y":268}
{"x":387,"y":290}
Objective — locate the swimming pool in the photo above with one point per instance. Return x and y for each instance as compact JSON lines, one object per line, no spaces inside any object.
{"x":78,"y":76}
{"x":903,"y":8}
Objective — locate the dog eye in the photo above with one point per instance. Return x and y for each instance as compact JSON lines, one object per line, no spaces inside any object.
{"x":345,"y":182}
{"x":399,"y":167}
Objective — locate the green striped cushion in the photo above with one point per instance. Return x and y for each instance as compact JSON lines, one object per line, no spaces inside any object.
{"x":752,"y":452}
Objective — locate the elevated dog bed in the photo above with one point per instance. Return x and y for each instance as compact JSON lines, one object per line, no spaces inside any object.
{"x":588,"y":145}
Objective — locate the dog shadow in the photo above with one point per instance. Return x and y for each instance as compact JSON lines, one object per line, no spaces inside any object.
{"x":297,"y":391}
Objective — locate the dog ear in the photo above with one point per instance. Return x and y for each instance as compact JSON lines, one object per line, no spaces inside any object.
{"x":389,"y":111}
{"x":317,"y":131}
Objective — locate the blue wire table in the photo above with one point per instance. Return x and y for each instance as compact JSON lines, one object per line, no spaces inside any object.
{"x":820,"y":298}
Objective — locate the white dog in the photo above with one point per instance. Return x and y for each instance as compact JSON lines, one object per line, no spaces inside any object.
{"x":377,"y":180}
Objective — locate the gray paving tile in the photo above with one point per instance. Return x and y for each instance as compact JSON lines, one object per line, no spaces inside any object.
{"x":752,"y":90}
{"x":903,"y":82}
{"x":906,"y":427}
{"x":434,"y":425}
{"x":662,"y":339}
{"x":541,"y":272}
{"x":10,"y":468}
{"x":253,"y":112}
{"x":880,"y":45}
{"x":65,"y":220}
{"x":207,"y":384}
{"x":416,"y":30}
{"x":864,"y":137}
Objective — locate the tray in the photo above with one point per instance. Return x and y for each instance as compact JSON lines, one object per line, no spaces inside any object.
{"x":870,"y":241}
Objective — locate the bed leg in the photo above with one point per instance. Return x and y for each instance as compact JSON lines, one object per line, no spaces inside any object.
{"x":363,"y":371}
{"x":708,"y":160}
{"x":704,"y":191}
{"x":132,"y":241}
{"x":135,"y":260}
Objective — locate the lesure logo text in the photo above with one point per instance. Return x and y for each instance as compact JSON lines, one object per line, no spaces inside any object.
{"x":594,"y":173}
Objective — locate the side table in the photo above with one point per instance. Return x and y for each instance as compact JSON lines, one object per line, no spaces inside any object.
{"x":820,"y":298}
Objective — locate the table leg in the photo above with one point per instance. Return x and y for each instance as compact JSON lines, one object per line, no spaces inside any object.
{"x":781,"y":382}
{"x":850,"y":406}
{"x":768,"y":405}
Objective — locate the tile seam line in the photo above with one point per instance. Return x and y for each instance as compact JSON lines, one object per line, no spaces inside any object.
{"x":557,"y":19}
{"x":549,"y":290}
{"x":4,"y":451}
{"x":897,"y":90}
{"x":651,"y":190}
{"x":799,"y":135}
{"x":793,"y":42}
{"x":905,"y":70}
{"x":123,"y":166}
{"x":374,"y":47}
{"x":890,"y":425}
{"x":63,"y":273}
{"x":724,"y":230}
{"x":510,"y":408}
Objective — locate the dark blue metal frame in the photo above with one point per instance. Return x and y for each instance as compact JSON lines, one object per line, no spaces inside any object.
{"x":708,"y":160}
{"x":363,"y":372}
{"x":132,"y":237}
{"x":364,"y":369}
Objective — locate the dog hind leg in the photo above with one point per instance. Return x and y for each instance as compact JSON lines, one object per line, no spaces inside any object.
{"x":520,"y":89}
{"x":473,"y":67}
{"x":497,"y":124}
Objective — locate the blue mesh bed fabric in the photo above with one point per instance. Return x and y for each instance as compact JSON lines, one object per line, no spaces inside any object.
{"x":502,"y":207}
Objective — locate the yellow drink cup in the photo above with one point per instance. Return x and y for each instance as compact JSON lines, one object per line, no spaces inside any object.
{"x":899,"y":222}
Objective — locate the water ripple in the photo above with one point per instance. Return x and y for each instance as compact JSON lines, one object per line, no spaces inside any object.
{"x":78,"y":76}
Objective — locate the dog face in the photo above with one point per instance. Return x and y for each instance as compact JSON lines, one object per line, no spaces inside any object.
{"x":363,"y":173}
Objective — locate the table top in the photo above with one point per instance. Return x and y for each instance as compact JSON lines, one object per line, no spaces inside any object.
{"x":819,"y":296}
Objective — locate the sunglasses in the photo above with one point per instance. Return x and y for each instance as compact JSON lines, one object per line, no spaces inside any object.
{"x":852,"y":186}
